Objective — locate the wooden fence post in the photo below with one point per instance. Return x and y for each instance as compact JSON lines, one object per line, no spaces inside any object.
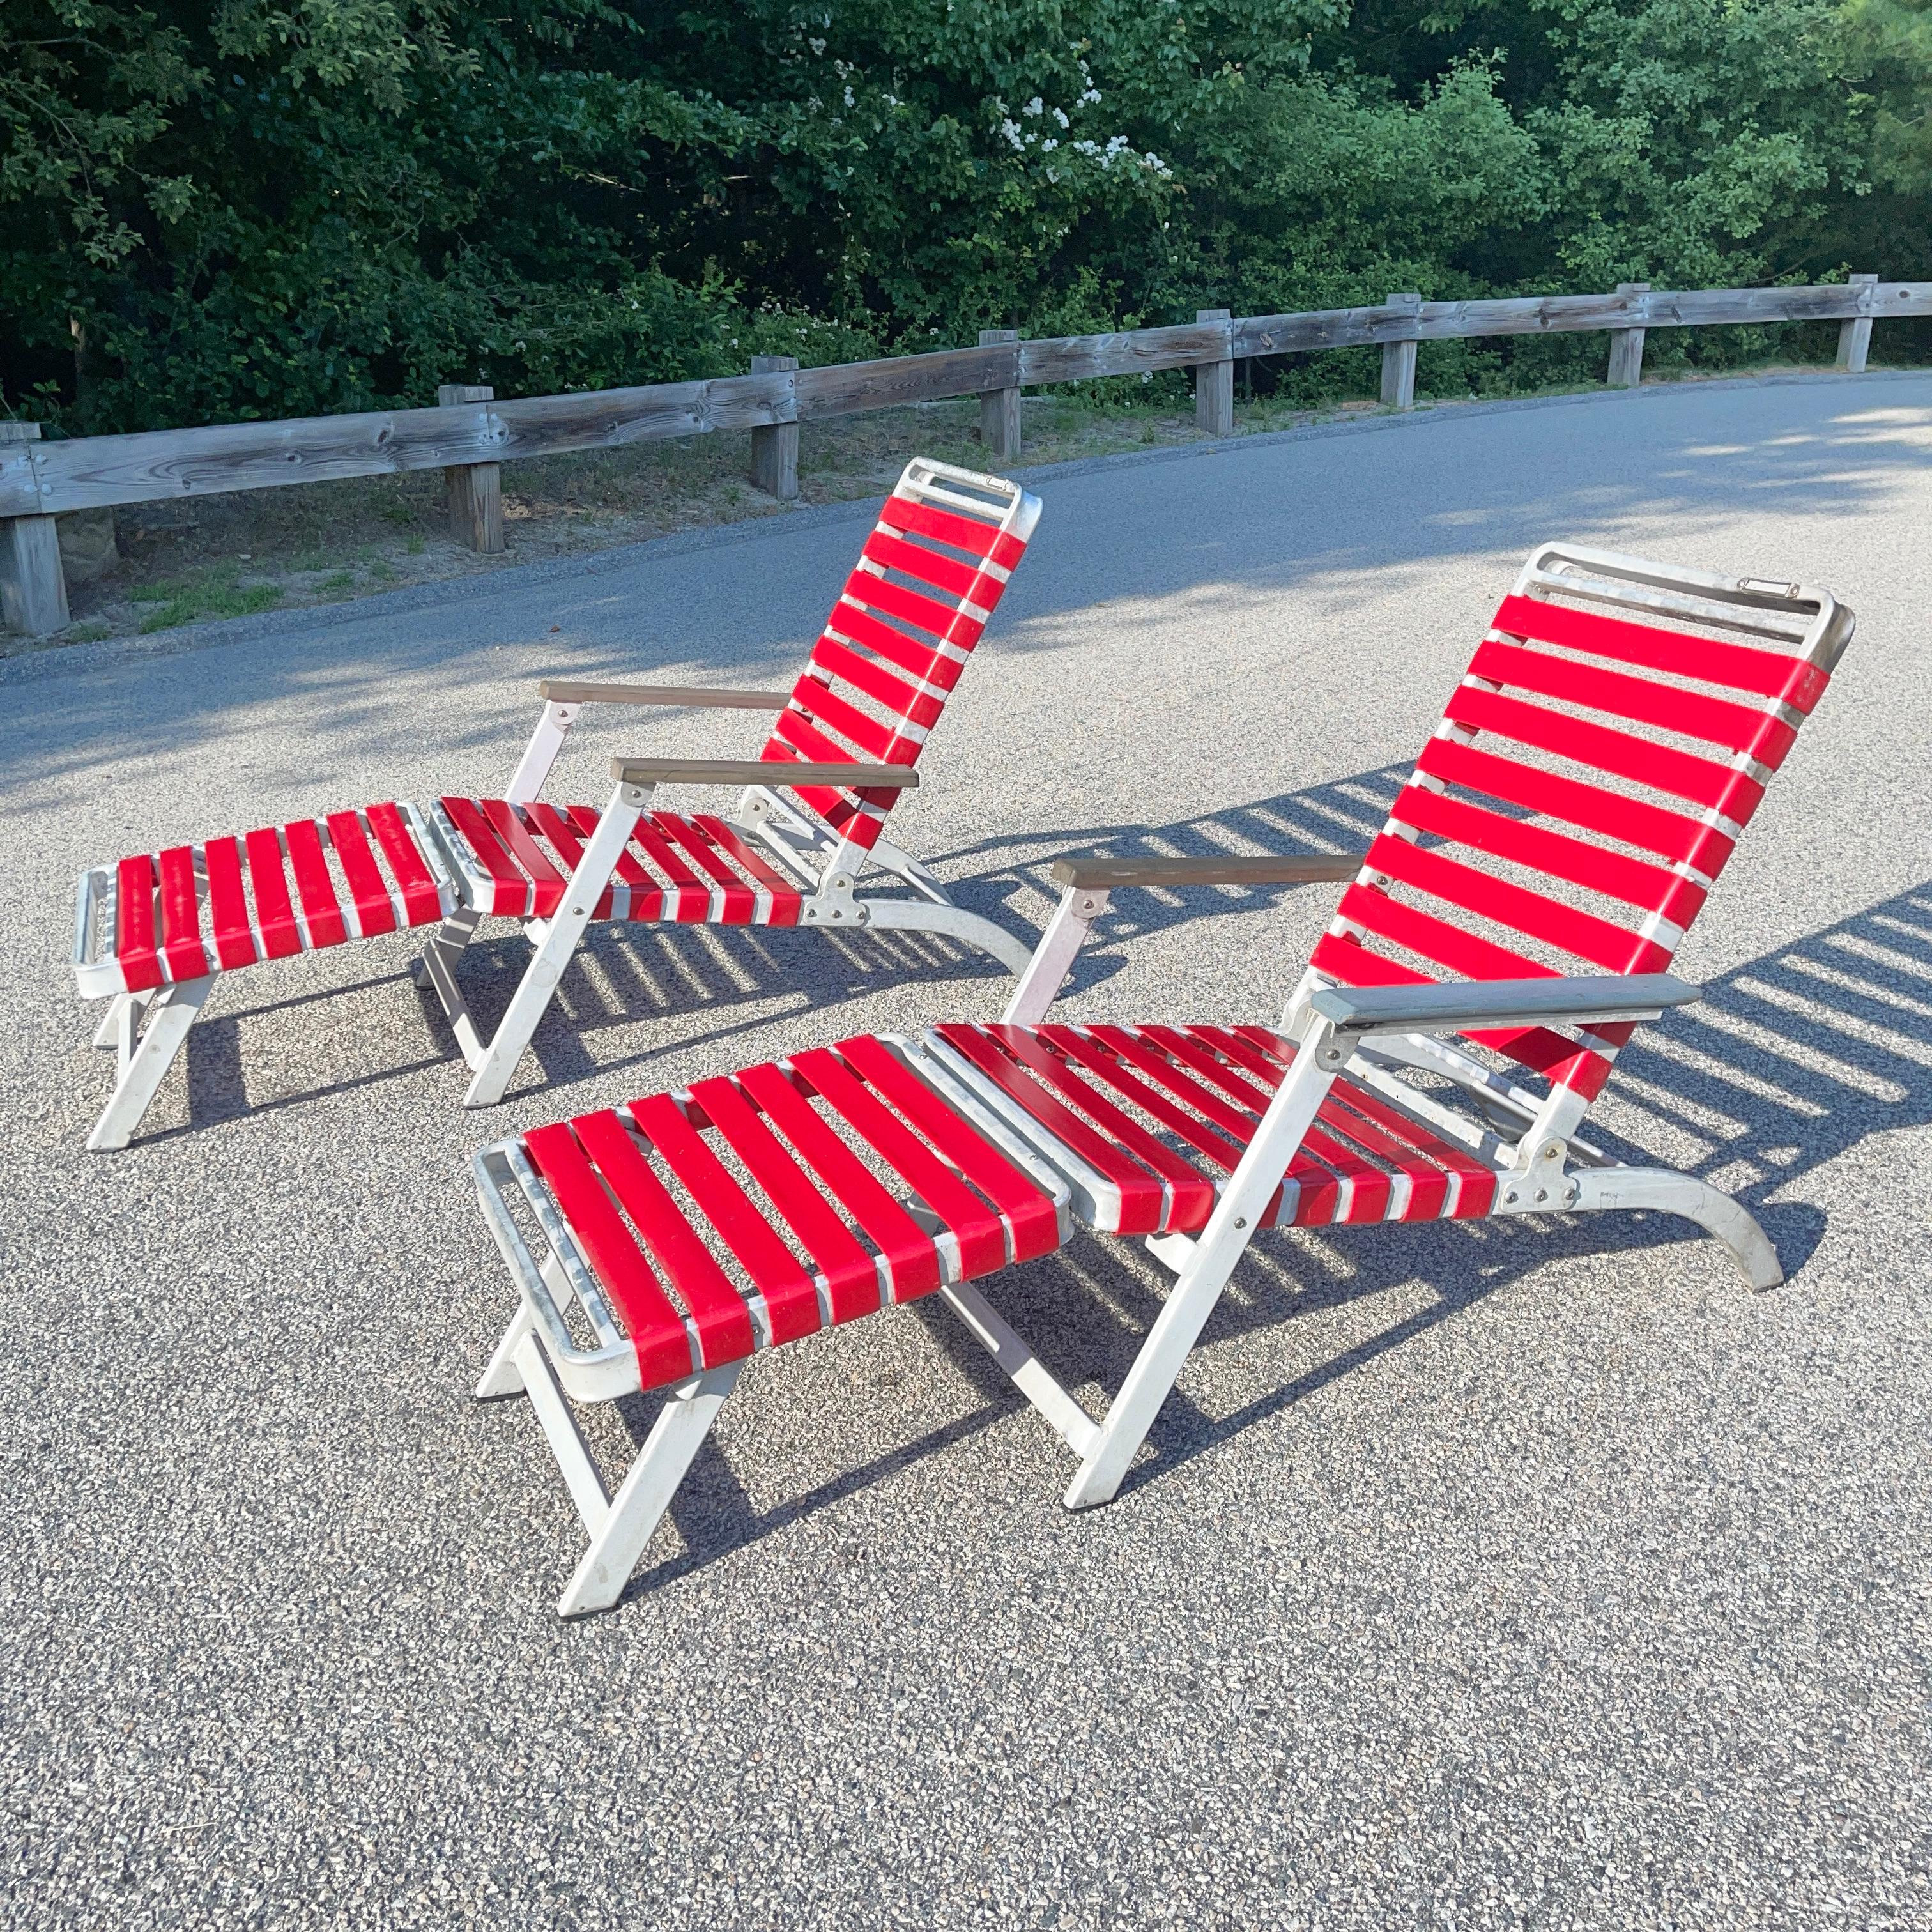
{"x":1626,"y":369}
{"x":475,"y":489}
{"x":33,"y":587}
{"x":1398,"y":360}
{"x":999,"y":408}
{"x":774,"y":446}
{"x":1214,"y":385}
{"x":1855,"y":333}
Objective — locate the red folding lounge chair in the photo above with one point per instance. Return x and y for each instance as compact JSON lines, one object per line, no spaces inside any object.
{"x":1611,"y":739}
{"x":153,"y":931}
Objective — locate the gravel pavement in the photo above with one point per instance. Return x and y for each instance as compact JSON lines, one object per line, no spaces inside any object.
{"x":1525,"y":1575}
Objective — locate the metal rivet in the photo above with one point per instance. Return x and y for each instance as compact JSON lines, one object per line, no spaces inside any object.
{"x":1510,"y":1197}
{"x":1240,"y":1220}
{"x":1543,"y":1194}
{"x":1553,"y":1151}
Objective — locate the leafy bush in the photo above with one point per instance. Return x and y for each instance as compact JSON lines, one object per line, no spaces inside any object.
{"x":269,"y":207}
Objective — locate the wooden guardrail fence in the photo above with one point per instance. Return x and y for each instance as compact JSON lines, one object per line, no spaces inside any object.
{"x":471,"y":433}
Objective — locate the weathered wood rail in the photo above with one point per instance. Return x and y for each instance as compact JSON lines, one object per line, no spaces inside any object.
{"x":471,"y":433}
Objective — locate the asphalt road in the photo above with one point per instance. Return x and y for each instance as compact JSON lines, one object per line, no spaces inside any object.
{"x":1534,"y":1575}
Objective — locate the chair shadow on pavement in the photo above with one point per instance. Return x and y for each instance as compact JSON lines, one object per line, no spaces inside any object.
{"x":1790,"y":1060}
{"x":717,"y":983}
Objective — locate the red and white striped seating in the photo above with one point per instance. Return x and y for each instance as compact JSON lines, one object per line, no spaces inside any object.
{"x":1496,"y":947}
{"x":154,"y":930}
{"x":692,"y":869}
{"x":192,"y":910}
{"x":812,"y":817}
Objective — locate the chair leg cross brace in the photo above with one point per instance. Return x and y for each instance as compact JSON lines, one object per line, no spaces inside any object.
{"x":146,"y":1029}
{"x":1219,"y":1245}
{"x":1203,"y":1265}
{"x":492,"y":1061}
{"x":620,"y":1526}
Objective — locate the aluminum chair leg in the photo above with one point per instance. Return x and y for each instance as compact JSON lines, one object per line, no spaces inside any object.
{"x":635,"y":1512}
{"x":445,"y":945}
{"x":170,"y":1012}
{"x":1667,"y":1192}
{"x":503,"y":1377}
{"x":1045,"y":972}
{"x":123,"y":1012}
{"x":1219,"y":1246}
{"x":954,"y":922}
{"x":534,"y":992}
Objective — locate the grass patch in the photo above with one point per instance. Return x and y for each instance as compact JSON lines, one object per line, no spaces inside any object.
{"x":209,"y":593}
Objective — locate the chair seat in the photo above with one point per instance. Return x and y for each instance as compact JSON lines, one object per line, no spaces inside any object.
{"x":762,"y":1206}
{"x":1148,"y":1121}
{"x":191,"y":910}
{"x":692,"y":868}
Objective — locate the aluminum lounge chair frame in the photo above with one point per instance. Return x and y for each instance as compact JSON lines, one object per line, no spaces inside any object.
{"x":155,"y":932}
{"x":818,"y":828}
{"x":1384,"y":1092}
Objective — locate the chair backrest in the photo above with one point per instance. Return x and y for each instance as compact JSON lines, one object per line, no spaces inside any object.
{"x":928,"y":578}
{"x":1607,"y":747}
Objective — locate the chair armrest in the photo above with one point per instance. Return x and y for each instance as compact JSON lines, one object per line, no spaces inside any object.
{"x":564,"y":691}
{"x":761,"y":771}
{"x":1103,"y":874}
{"x":1584,"y":999}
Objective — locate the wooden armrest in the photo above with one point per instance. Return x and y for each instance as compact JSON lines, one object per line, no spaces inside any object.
{"x":565,"y":691}
{"x":761,"y":771}
{"x":1098,"y":874}
{"x":1584,"y":999}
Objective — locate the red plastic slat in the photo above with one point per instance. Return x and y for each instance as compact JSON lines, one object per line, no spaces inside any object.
{"x":953,"y":580}
{"x":903,"y":700}
{"x":1635,"y":821}
{"x":874,"y":738}
{"x":421,"y":901}
{"x":1601,"y":941}
{"x":373,"y":912}
{"x":1606,"y":749}
{"x":983,"y":1246}
{"x":509,"y":891}
{"x":920,"y":656}
{"x":1635,"y":881}
{"x":134,"y":951}
{"x":1477,"y":1188}
{"x":1028,"y":1211}
{"x":911,"y":1258}
{"x":545,"y":821}
{"x":910,"y":607}
{"x":1111,"y":1141}
{"x":1462,"y":952}
{"x":738,"y":902}
{"x":786,"y":898}
{"x":1318,"y":1165}
{"x":547,"y":883}
{"x":320,"y":912}
{"x":274,"y":912}
{"x":228,"y":904}
{"x":718,"y":1312}
{"x":851,"y":1275}
{"x":1237,"y":1122}
{"x":907,"y":513}
{"x":1718,"y":720}
{"x":790,"y":1296}
{"x":1769,"y":674}
{"x":656,"y":1329}
{"x":180,"y":916}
